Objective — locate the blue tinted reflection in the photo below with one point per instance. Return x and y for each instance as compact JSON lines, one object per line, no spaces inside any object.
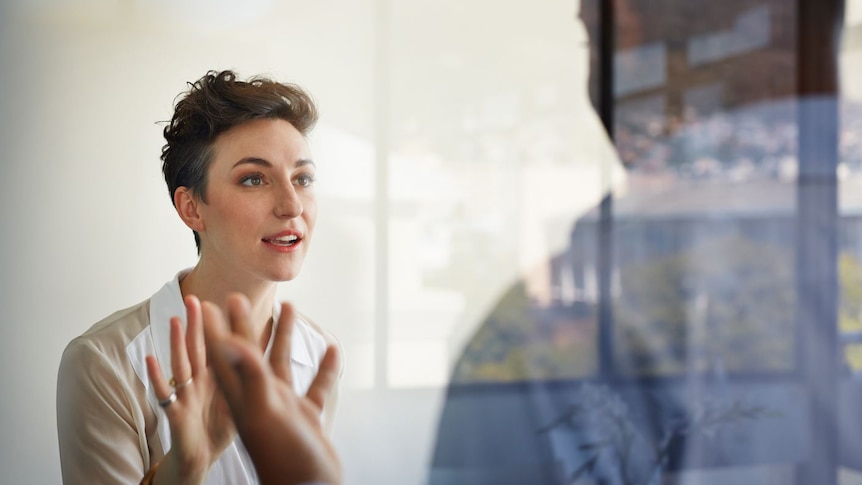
{"x":703,"y":327}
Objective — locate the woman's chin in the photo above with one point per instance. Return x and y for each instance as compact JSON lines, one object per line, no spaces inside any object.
{"x":284,"y":274}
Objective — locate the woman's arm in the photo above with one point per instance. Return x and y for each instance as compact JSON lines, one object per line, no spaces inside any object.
{"x":98,"y":420}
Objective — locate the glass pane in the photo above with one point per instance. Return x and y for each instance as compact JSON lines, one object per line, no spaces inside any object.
{"x":850,"y":165}
{"x":696,"y":264}
{"x":703,"y":258}
{"x":494,"y":153}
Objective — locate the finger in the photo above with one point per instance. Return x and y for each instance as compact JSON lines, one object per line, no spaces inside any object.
{"x":194,"y":335}
{"x":179,"y":357}
{"x":160,"y":386}
{"x":326,"y":377}
{"x":279,"y":357}
{"x":221,"y":354}
{"x":215,"y":328}
{"x":240,"y":372}
{"x":239,"y":316}
{"x":215,"y":332}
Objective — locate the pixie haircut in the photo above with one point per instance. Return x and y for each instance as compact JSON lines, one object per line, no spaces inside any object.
{"x":214,"y":104}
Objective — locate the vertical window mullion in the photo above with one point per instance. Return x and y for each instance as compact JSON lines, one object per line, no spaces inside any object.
{"x":381,"y":194}
{"x":606,"y":103}
{"x":817,"y":232}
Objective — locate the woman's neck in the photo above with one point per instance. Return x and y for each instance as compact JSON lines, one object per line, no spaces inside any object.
{"x":211,"y":286}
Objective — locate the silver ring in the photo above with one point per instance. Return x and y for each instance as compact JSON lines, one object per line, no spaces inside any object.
{"x":170,"y":400}
{"x":174,"y":384}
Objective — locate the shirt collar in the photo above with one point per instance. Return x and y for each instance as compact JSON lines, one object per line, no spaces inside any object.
{"x":168,"y":303}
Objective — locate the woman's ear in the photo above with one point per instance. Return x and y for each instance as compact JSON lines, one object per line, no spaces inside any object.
{"x":187,"y":204}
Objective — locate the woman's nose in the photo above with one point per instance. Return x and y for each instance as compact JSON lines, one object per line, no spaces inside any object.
{"x":288,"y":204}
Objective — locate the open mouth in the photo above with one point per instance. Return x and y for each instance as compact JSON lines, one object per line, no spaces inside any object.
{"x":285,"y":241}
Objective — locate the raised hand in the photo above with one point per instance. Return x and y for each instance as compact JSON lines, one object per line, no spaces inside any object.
{"x":200,"y":421}
{"x":280,"y":429}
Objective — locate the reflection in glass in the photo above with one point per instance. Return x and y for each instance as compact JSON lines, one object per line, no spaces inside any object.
{"x":709,"y":268}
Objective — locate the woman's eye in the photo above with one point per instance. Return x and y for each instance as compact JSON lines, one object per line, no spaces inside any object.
{"x":252,"y":180}
{"x":305,"y":180}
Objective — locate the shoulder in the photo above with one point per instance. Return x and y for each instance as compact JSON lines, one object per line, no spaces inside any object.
{"x":109,"y":337}
{"x":95,"y":371}
{"x":326,"y":338}
{"x":326,"y":335}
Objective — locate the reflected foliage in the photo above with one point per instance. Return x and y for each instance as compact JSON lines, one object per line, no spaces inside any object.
{"x":850,"y":310}
{"x":725,"y":305}
{"x":613,"y":445}
{"x":520,"y":341}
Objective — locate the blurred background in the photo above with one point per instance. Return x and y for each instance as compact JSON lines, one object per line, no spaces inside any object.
{"x":462,"y":171}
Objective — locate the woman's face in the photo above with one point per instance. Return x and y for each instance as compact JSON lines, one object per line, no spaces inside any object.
{"x":260,"y":205}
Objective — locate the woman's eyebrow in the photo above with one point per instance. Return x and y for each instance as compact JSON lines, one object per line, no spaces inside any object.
{"x":253,"y":161}
{"x":265,"y":163}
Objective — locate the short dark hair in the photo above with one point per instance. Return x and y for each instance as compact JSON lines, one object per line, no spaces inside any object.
{"x":212,"y":105}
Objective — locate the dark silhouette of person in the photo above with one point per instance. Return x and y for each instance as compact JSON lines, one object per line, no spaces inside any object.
{"x":691,"y":322}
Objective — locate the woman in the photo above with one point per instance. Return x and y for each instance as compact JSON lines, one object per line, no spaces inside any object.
{"x":240,"y":174}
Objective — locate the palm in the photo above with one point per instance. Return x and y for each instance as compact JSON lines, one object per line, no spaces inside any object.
{"x":203,"y":417}
{"x":200,"y":420}
{"x":219,"y":424}
{"x":270,"y":416}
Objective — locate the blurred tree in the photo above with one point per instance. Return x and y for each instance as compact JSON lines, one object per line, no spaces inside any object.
{"x":520,"y":341}
{"x":850,"y":311}
{"x":725,"y":305}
